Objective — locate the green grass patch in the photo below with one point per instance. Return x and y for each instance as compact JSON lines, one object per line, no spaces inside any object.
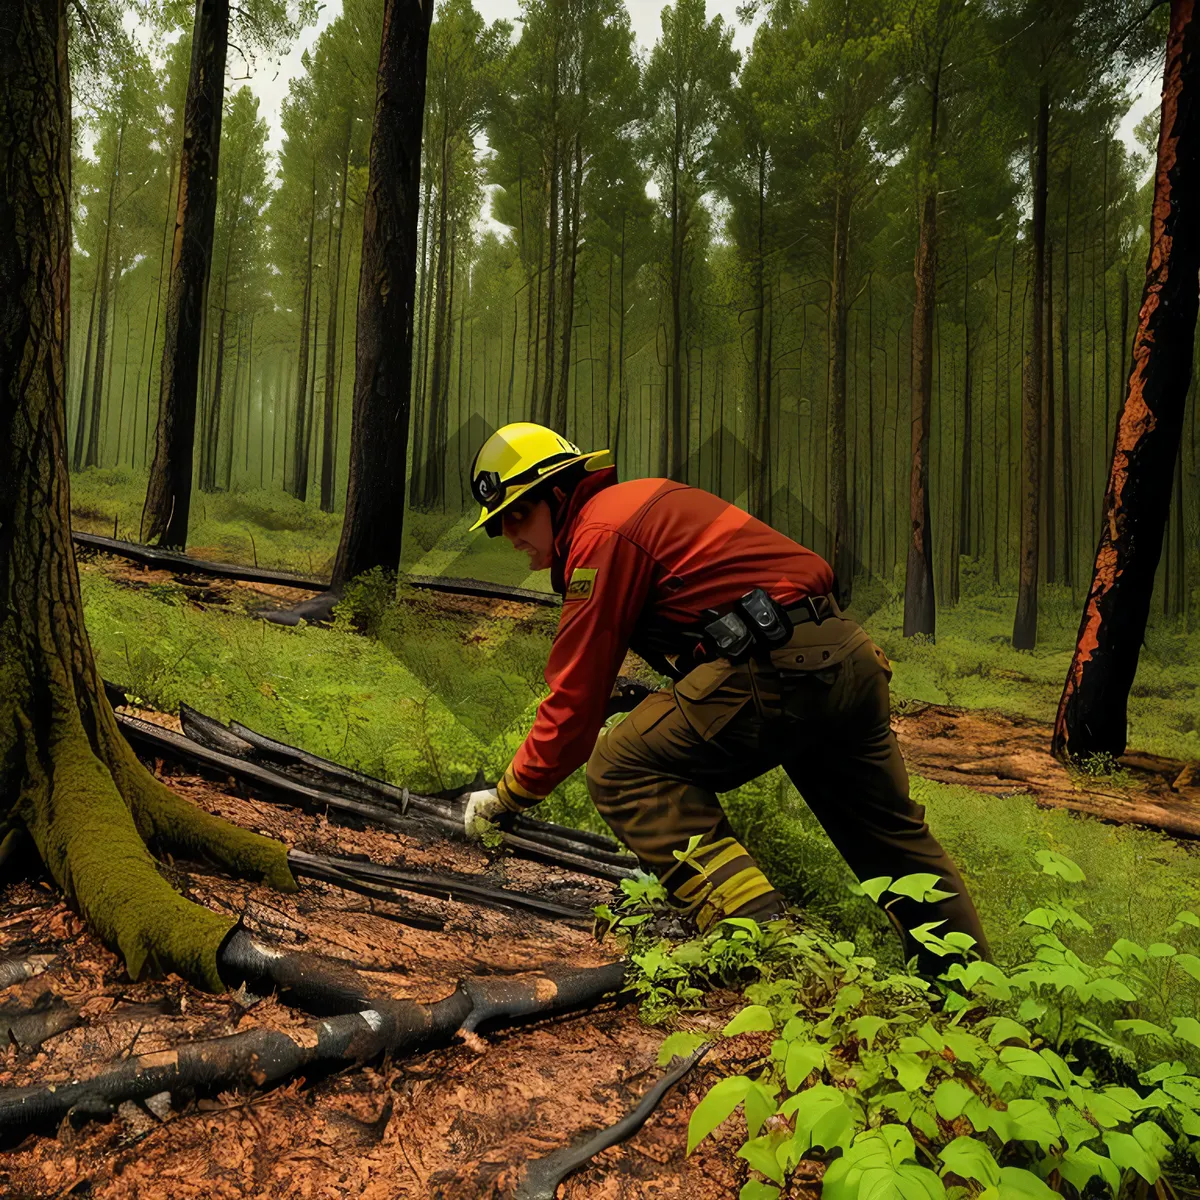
{"x":973,"y":664}
{"x":270,"y":528}
{"x":428,"y":701}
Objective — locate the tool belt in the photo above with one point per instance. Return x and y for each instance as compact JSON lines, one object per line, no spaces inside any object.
{"x":737,"y":634}
{"x":759,"y":623}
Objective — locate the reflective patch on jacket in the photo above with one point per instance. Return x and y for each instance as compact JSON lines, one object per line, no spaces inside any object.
{"x":583,"y":583}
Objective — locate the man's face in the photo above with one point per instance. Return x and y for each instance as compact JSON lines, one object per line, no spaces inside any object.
{"x":529,"y":528}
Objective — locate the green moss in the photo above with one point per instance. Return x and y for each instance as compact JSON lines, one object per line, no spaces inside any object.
{"x":88,"y":841}
{"x":170,"y":823}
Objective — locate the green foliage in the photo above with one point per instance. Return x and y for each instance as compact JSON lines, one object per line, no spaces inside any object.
{"x":856,"y":1069}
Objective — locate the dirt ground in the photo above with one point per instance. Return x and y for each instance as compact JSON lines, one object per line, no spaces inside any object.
{"x":453,"y":1123}
{"x":1002,"y":755}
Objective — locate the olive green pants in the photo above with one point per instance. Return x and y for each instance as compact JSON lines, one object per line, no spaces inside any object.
{"x":819,"y":707}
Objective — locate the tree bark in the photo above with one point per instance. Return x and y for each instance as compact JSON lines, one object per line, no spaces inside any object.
{"x":81,"y":421}
{"x":331,"y":340}
{"x":162,"y":270}
{"x":920,"y":611}
{"x":299,"y":487}
{"x":1092,"y":712}
{"x":964,"y":485}
{"x":1025,"y":623}
{"x":169,"y":494}
{"x":68,"y":778}
{"x":92,"y":458}
{"x":372,"y":532}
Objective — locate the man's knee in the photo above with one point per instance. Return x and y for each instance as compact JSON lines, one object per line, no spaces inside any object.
{"x":602,"y":784}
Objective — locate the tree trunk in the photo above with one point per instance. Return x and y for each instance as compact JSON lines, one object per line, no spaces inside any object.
{"x":432,"y":452}
{"x":1092,"y":712}
{"x":920,"y":612}
{"x":570,"y":261}
{"x":92,"y":458}
{"x":1068,"y":447}
{"x":299,"y":488}
{"x":331,"y":339}
{"x":1049,"y":475}
{"x":124,"y":378}
{"x":212,"y":434}
{"x":248,"y":406}
{"x":423,"y":309}
{"x":1025,"y":624}
{"x":372,"y":531}
{"x":169,"y":494}
{"x":762,"y":417}
{"x":673,"y":433}
{"x":68,"y":778}
{"x":81,"y":422}
{"x":964,"y":484}
{"x":546,"y":400}
{"x":233,"y":409}
{"x":162,"y":265}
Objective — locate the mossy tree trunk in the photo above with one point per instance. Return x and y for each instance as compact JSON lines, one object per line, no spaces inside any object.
{"x":67,"y":777}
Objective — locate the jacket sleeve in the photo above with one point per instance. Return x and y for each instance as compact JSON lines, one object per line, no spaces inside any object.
{"x":608,"y":579}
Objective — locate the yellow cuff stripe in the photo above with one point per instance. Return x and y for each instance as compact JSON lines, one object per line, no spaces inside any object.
{"x":689,"y":889}
{"x":513,"y":796}
{"x":726,"y":898}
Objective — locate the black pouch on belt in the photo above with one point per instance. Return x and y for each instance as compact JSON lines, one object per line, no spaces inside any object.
{"x":756,"y":621}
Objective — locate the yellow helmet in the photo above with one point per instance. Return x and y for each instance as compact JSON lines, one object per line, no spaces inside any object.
{"x":518,"y":457}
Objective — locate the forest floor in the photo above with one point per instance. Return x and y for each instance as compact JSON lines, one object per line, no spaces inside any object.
{"x":455,"y":1123}
{"x":452,"y":1123}
{"x":986,"y":750}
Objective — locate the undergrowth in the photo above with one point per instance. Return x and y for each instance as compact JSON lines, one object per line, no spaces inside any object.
{"x":428,"y":702}
{"x":270,"y":528}
{"x":971,"y":663}
{"x":1055,"y":1073}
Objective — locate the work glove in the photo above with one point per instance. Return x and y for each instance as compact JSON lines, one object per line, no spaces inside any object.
{"x":484,"y":806}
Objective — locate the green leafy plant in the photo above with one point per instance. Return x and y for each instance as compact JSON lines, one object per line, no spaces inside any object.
{"x":973,"y":1099}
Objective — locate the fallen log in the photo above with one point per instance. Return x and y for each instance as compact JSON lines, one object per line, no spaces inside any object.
{"x":17,"y":970}
{"x":445,"y":885}
{"x":278,"y":788}
{"x":542,"y":1176}
{"x":275,"y":788}
{"x":320,"y":985}
{"x":261,"y":1057}
{"x":29,"y":1027}
{"x":542,"y":841}
{"x":434,"y":801}
{"x":171,"y":560}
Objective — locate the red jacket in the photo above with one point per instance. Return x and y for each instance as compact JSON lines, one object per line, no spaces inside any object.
{"x":627,"y":555}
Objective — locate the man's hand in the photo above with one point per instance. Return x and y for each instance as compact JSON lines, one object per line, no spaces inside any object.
{"x":485,"y":806}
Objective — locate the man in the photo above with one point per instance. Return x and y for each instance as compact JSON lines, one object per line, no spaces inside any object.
{"x":662,"y":568}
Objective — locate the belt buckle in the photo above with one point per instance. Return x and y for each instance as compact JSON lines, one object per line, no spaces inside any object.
{"x":812,"y":608}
